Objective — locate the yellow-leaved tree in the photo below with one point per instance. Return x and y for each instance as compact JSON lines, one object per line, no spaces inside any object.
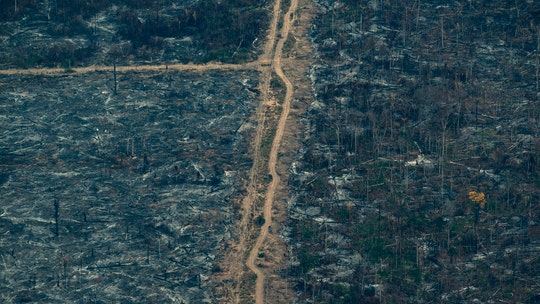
{"x":478,"y":197}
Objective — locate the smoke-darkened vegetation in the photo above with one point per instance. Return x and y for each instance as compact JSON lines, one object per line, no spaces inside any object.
{"x":418,"y":181}
{"x":194,"y":31}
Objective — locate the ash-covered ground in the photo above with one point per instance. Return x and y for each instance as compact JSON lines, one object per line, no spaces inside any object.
{"x":120,"y":198}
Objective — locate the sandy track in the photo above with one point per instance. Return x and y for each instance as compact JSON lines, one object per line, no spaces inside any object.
{"x":272,"y":161}
{"x":136,"y":68}
{"x":267,"y":62}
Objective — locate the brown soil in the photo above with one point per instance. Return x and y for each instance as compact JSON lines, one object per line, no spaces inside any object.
{"x":269,"y":253}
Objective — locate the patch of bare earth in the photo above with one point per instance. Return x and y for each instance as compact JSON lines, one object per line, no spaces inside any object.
{"x":296,"y":59}
{"x":236,"y":281}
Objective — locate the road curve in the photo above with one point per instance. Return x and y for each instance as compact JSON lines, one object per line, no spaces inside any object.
{"x":272,"y":161}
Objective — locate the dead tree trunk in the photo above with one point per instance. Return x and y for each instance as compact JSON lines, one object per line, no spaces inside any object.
{"x":56,"y":211}
{"x":114,"y":74}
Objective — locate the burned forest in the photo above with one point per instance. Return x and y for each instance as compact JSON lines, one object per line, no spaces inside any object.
{"x":256,"y":151}
{"x":418,"y":179}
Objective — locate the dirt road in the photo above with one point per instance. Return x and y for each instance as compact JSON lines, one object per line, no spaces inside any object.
{"x":135,"y":68}
{"x":272,"y":161}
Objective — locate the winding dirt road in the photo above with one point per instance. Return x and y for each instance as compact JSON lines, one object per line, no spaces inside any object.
{"x":272,"y":161}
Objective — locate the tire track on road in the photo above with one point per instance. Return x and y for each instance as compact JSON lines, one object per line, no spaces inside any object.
{"x":273,"y":157}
